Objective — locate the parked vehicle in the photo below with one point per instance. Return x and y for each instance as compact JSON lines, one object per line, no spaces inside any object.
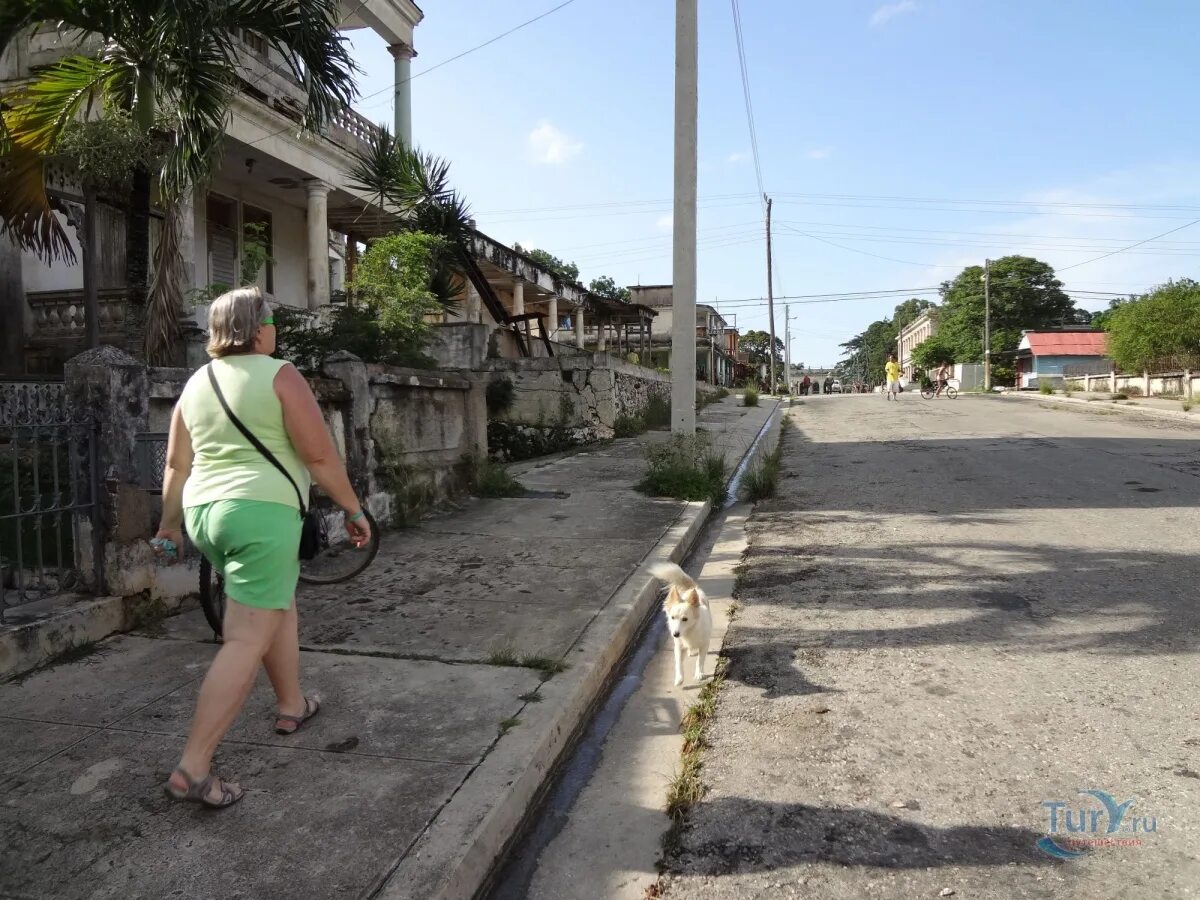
{"x":836,"y":387}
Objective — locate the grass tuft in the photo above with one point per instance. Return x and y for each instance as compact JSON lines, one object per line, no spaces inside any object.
{"x":685,"y":468}
{"x":686,"y":788}
{"x":1187,"y":405}
{"x":750,"y":397}
{"x":549,"y":666}
{"x":493,"y":480}
{"x":508,"y":724}
{"x":1045,"y":387}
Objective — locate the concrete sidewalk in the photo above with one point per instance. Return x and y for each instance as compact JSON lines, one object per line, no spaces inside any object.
{"x":1103,"y":403}
{"x":431,"y":745}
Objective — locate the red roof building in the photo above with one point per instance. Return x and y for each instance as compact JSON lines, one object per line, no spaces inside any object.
{"x":1051,"y":354}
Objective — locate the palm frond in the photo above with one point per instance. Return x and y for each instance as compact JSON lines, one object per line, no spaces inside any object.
{"x":26,"y":209}
{"x":305,"y":34}
{"x":58,"y":95}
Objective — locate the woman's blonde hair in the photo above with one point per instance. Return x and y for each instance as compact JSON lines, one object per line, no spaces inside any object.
{"x":233,"y":321}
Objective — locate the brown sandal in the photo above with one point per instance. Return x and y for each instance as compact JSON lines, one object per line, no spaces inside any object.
{"x":312,"y":706}
{"x":198,"y":791}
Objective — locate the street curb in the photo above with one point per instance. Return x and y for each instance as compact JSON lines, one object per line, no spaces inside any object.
{"x":1178,"y":415}
{"x":522,"y":765}
{"x":39,"y":642}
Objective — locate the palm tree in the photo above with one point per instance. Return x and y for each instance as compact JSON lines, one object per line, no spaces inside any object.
{"x":172,"y":66}
{"x":413,"y":187}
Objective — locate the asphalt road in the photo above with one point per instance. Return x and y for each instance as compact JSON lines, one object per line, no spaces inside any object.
{"x":959,"y":617}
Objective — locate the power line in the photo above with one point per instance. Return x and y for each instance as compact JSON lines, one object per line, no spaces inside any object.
{"x":1131,"y":246}
{"x":741,"y":52}
{"x":392,"y":87}
{"x":1035,"y":203}
{"x":486,"y":43}
{"x":907,"y":262}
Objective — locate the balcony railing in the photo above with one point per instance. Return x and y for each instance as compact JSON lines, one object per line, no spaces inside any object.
{"x":59,"y":315}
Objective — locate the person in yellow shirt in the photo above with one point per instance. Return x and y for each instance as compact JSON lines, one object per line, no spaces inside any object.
{"x":892,"y":370}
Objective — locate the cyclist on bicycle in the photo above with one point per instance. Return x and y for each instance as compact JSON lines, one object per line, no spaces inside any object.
{"x":941,"y":378}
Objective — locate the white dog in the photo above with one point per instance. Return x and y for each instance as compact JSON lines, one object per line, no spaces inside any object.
{"x":688,"y":616}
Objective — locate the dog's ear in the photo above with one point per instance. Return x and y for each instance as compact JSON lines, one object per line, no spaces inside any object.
{"x":693,"y":598}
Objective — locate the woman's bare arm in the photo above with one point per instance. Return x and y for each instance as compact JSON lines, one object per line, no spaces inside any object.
{"x":176,"y":472}
{"x":311,"y":438}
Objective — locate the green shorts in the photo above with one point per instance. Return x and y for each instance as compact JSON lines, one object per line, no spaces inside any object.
{"x":254,"y":545}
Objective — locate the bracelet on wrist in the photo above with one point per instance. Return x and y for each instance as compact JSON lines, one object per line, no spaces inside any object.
{"x":358,"y":516}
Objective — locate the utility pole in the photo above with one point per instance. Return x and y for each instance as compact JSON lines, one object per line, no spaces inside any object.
{"x":787,"y":348}
{"x":987,"y":325}
{"x":683,"y":292}
{"x":770,"y":297}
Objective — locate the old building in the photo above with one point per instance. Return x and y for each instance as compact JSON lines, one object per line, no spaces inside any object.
{"x":911,"y":336}
{"x":716,"y":341}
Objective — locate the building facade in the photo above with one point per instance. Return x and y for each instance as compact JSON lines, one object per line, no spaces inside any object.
{"x":912,"y":336}
{"x":276,"y":185}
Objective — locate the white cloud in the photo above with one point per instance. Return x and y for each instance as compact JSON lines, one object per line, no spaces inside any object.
{"x":890,"y":10}
{"x":552,"y":146}
{"x":739,"y":157}
{"x":665,"y":222}
{"x":820,"y":152}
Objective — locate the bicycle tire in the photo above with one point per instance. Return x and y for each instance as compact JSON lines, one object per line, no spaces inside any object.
{"x":363,"y":558}
{"x":212,"y":596}
{"x":951,"y":393}
{"x":927,"y":393}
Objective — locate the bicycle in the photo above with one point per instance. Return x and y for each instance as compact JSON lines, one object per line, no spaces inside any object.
{"x":949,"y":391}
{"x":337,"y":559}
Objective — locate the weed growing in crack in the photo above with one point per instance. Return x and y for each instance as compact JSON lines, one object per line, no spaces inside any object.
{"x":686,"y":788}
{"x":685,"y":468}
{"x":508,"y":724}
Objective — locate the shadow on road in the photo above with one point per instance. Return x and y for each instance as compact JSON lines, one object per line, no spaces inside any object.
{"x":848,"y":837}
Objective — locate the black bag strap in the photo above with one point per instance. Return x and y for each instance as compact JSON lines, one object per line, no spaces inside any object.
{"x":257,"y":444}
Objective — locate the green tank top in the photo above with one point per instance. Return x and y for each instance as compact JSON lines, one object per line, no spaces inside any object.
{"x":225,"y":465}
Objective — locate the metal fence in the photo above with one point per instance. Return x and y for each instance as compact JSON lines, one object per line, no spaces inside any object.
{"x":49,"y":484}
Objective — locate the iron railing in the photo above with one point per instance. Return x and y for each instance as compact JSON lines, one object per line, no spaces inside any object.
{"x":49,"y":486}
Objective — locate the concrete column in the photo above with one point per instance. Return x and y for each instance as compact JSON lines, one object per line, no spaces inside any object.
{"x":473,"y":304}
{"x":1146,"y":379}
{"x":601,"y":337}
{"x":519,"y":297}
{"x":403,"y":56}
{"x":1187,"y":385}
{"x":579,"y":337}
{"x":115,"y":387}
{"x":552,"y":316}
{"x":683,"y":232}
{"x":318,"y":243}
{"x":1113,"y":380}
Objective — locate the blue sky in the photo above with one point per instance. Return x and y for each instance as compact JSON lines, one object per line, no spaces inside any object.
{"x":932,"y":132}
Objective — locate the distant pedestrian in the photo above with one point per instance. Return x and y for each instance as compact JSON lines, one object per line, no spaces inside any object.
{"x":892,"y":370}
{"x":942,"y":378}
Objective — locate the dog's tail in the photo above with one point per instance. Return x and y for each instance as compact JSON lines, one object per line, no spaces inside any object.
{"x":673,"y":575}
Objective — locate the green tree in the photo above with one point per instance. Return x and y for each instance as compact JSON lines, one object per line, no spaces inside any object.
{"x":932,"y":352}
{"x":755,"y":343}
{"x":1102,"y":319}
{"x":606,"y":287}
{"x":174,"y":68}
{"x":1158,"y":331}
{"x":564,"y":272}
{"x":1025,"y":294}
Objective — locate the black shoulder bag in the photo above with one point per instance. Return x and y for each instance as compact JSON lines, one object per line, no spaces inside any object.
{"x":310,"y":542}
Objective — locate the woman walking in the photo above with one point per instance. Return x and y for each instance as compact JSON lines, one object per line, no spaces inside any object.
{"x":243,"y":514}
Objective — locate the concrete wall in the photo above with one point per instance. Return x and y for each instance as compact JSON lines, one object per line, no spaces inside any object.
{"x":409,"y":438}
{"x":567,"y":401}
